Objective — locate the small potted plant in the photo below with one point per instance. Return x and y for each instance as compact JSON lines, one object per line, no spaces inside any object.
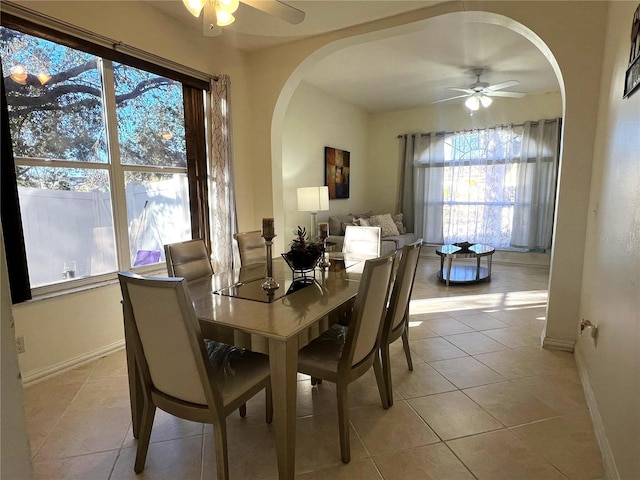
{"x":304,"y":252}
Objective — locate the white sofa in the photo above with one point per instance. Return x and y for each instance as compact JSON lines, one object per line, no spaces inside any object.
{"x":337,"y":224}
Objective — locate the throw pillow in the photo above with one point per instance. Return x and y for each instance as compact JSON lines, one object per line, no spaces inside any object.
{"x":337,"y":223}
{"x":363,"y":222}
{"x":397,"y":219}
{"x":385,"y":222}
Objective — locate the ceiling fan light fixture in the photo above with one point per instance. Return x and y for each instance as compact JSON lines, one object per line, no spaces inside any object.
{"x":223,"y":18}
{"x":229,"y":6}
{"x":194,"y":6}
{"x":472,"y":103}
{"x":486,"y":101}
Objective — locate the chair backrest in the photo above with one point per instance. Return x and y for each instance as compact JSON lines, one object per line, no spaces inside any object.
{"x":166,"y":337}
{"x":363,"y":336}
{"x":251,"y":247}
{"x":362,"y":240}
{"x":403,"y":285}
{"x":189,"y":260}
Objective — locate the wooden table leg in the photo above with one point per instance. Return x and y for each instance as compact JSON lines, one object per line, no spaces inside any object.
{"x":283,"y":360}
{"x":449,"y":260}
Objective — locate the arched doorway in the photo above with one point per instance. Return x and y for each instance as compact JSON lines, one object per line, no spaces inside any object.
{"x":287,"y":172}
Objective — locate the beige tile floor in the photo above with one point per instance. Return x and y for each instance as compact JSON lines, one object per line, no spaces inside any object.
{"x":484,"y":402}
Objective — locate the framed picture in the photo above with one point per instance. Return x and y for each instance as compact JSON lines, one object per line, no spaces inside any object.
{"x":336,"y":172}
{"x":632,"y":78}
{"x":632,"y":75}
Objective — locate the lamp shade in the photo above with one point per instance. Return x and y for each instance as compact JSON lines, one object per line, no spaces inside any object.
{"x":194,"y":6}
{"x":313,"y":199}
{"x":223,"y":18}
{"x":229,"y":6}
{"x":472,"y":103}
{"x":485,"y":101}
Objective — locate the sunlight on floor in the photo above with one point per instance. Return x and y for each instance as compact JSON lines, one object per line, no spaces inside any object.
{"x":487,"y":302}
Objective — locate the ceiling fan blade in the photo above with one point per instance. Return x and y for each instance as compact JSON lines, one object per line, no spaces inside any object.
{"x":278,"y":9}
{"x":450,"y":98}
{"x":500,"y":86}
{"x":465,"y":90}
{"x":506,"y":94}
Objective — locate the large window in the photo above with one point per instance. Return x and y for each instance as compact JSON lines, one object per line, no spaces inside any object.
{"x":100,"y":156}
{"x":493,"y":185}
{"x":479,"y":185}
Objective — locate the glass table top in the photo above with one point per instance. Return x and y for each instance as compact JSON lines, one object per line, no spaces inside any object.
{"x":252,"y":289}
{"x":249,"y":284}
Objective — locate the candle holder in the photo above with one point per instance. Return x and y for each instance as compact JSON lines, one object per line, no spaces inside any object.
{"x":324,"y":232}
{"x":324,"y":261}
{"x":269,"y":283}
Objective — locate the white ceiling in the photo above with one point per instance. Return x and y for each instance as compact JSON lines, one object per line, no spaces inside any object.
{"x":399,"y":72}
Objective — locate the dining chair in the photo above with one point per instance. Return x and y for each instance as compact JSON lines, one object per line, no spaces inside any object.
{"x":251,"y":247}
{"x":189,"y":259}
{"x":396,"y":322}
{"x":343,"y":354}
{"x":177,"y":373}
{"x":362,"y":240}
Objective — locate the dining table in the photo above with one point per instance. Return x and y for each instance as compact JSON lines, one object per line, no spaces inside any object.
{"x":233,"y":307}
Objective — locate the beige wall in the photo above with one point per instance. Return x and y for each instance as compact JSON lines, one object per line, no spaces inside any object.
{"x":611,"y":282}
{"x":315,"y":119}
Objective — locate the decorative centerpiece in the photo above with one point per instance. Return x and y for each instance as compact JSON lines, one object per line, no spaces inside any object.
{"x":464,"y":246}
{"x":304,"y":253}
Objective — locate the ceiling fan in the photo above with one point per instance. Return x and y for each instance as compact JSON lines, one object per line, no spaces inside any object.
{"x":219,"y":13}
{"x":480,"y":93}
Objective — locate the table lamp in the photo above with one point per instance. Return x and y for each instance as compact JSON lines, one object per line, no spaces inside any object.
{"x":314,"y":200}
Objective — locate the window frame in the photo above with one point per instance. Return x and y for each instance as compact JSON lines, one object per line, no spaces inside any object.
{"x":194,"y":91}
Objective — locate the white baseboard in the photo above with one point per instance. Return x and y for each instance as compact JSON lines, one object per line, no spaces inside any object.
{"x":608,"y":461}
{"x":556,"y":344}
{"x":42,"y":374}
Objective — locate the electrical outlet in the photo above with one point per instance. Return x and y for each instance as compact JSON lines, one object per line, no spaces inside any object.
{"x":592,"y":330}
{"x":20,"y":343}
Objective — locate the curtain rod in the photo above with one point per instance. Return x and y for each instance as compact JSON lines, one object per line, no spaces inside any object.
{"x":117,"y":45}
{"x":483,"y":128}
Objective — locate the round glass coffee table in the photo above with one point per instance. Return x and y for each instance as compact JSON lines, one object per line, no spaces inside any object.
{"x":464,"y":273}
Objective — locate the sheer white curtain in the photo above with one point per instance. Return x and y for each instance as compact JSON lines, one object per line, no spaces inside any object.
{"x":222,"y":206}
{"x":493,"y":185}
